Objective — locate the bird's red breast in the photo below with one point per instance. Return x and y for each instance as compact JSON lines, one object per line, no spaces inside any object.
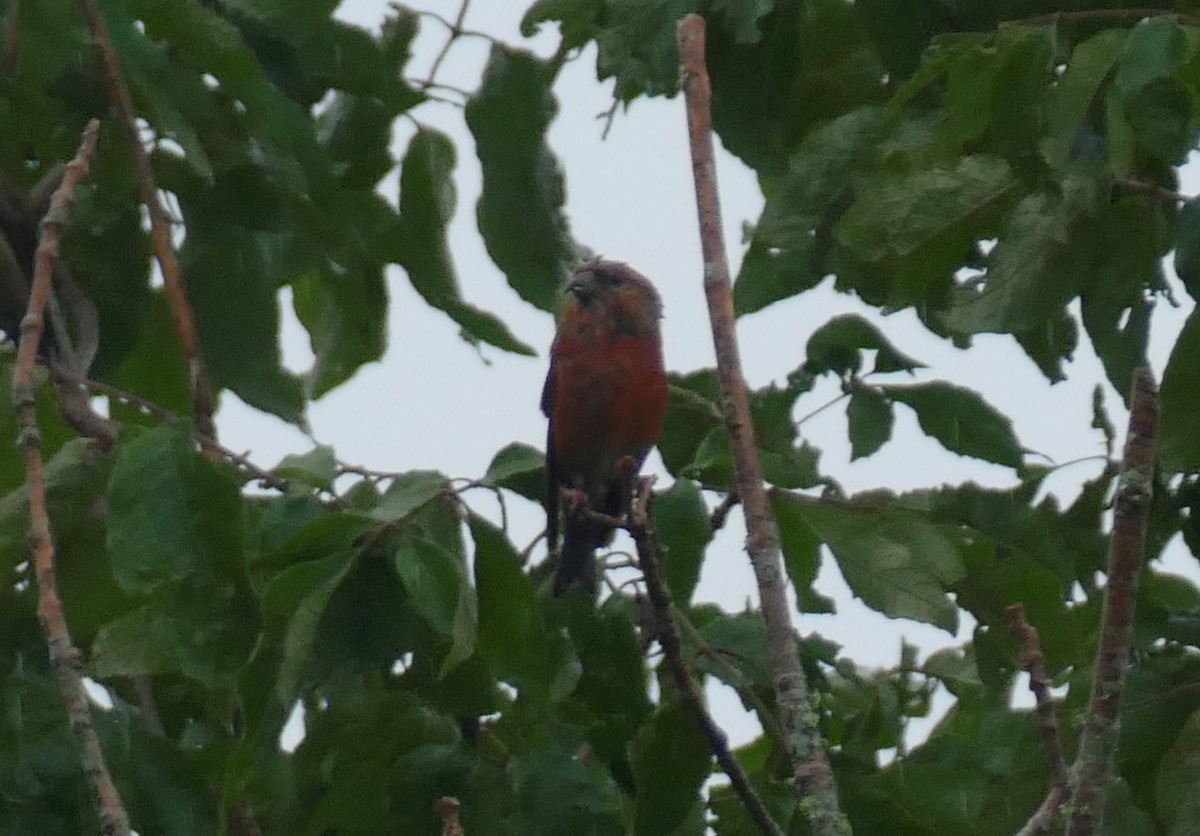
{"x":605,"y":395}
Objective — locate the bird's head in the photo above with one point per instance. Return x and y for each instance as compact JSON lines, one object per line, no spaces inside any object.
{"x":616,"y":293}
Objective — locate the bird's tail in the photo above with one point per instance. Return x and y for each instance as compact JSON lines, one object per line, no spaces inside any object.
{"x":577,"y":560}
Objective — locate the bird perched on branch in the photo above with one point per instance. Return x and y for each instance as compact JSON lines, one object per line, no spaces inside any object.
{"x":605,"y":396}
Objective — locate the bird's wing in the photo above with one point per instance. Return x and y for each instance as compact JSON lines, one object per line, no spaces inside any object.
{"x":551,"y":499}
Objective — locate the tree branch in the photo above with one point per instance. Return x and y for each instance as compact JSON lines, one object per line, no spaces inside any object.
{"x":65,"y":658}
{"x":1043,"y":817}
{"x":173,"y":282}
{"x":1126,"y":547}
{"x":659,"y":594}
{"x":1088,"y":15}
{"x":447,"y":809}
{"x":265,"y":477}
{"x":12,"y":37}
{"x":1031,"y":661}
{"x":456,"y":31}
{"x":806,"y":750}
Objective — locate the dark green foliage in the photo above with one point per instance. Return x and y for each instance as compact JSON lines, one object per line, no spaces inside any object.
{"x":994,"y":170}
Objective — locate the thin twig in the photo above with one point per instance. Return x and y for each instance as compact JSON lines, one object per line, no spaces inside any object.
{"x":456,"y":32}
{"x":12,"y":37}
{"x":160,"y":232}
{"x":716,"y":520}
{"x":1089,"y":15}
{"x":822,"y":408}
{"x":805,"y":748}
{"x":1032,"y":662}
{"x":669,"y":639}
{"x":265,"y":477}
{"x":65,"y":658}
{"x":1043,"y":818}
{"x":1153,"y":190}
{"x":447,"y":810}
{"x":1126,"y":547}
{"x":472,"y":484}
{"x":730,"y":673}
{"x":149,"y":706}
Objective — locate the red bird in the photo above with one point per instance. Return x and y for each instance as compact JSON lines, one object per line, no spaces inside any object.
{"x":605,"y":396}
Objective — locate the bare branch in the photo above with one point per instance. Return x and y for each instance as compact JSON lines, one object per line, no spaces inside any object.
{"x":1126,"y":547}
{"x":1043,"y":818}
{"x":12,"y":37}
{"x":160,"y":232}
{"x":669,"y":639}
{"x":65,"y":658}
{"x":447,"y":809}
{"x":716,"y":520}
{"x":805,"y":748}
{"x":1031,"y":661}
{"x":211,"y":445}
{"x":1153,"y":190}
{"x":1088,"y":15}
{"x":456,"y":32}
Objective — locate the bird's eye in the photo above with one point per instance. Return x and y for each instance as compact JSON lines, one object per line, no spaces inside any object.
{"x":610,"y":279}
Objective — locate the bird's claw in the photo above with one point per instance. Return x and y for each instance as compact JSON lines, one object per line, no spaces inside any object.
{"x":574,"y":497}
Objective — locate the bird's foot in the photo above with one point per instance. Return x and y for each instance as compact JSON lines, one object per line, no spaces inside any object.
{"x":575,"y":499}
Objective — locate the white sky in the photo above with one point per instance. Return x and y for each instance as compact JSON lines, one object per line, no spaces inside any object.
{"x":434,"y":403}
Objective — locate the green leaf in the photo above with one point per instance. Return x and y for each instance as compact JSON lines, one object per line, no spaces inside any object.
{"x":918,"y":227}
{"x":519,"y":468}
{"x":409,"y":492}
{"x":1187,"y":247}
{"x":75,"y":477}
{"x":1178,"y":441}
{"x":801,"y":555}
{"x":960,"y":420}
{"x":784,"y":463}
{"x":1073,"y":114}
{"x":344,"y":311}
{"x":578,"y":20}
{"x":1178,"y":805}
{"x":869,"y":417}
{"x":614,"y":682}
{"x":812,"y":63}
{"x":901,"y":29}
{"x":792,"y":236}
{"x":1127,"y":244}
{"x":637,"y":47}
{"x":837,"y":347}
{"x":561,"y":794}
{"x":520,"y":211}
{"x":318,"y":467}
{"x":692,"y":415}
{"x":355,"y":131}
{"x":681,"y":522}
{"x":898,"y":562}
{"x":1025,"y":282}
{"x":671,"y":759}
{"x":956,"y":669}
{"x":143,"y":368}
{"x":1156,"y":48}
{"x":427,"y":203}
{"x":293,"y":604}
{"x":438,"y":591}
{"x":513,"y":635}
{"x":1025,"y":69}
{"x":172,"y":513}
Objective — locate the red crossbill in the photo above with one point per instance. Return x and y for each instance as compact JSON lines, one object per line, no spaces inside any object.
{"x":605,"y":396}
